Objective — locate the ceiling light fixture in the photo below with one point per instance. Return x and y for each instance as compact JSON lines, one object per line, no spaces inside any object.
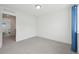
{"x":37,"y":6}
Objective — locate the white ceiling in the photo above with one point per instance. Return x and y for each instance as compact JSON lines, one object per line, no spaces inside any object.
{"x":30,"y":8}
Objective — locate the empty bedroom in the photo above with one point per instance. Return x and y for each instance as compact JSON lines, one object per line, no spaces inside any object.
{"x":38,"y":28}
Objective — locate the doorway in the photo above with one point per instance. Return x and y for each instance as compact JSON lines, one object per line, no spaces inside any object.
{"x":9,"y":35}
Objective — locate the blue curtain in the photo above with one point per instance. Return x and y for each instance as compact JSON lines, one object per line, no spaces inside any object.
{"x":74,"y":28}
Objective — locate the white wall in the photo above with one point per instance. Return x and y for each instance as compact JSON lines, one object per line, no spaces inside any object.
{"x":78,"y":29}
{"x":25,"y":26}
{"x":56,"y":26}
{"x":0,"y":39}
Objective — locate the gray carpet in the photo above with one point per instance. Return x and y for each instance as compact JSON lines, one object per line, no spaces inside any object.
{"x":35,"y":45}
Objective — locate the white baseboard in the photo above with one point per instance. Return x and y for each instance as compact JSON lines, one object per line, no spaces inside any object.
{"x":53,"y":40}
{"x":25,"y":38}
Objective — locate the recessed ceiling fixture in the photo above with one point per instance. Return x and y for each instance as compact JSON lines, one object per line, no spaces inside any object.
{"x":37,"y":6}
